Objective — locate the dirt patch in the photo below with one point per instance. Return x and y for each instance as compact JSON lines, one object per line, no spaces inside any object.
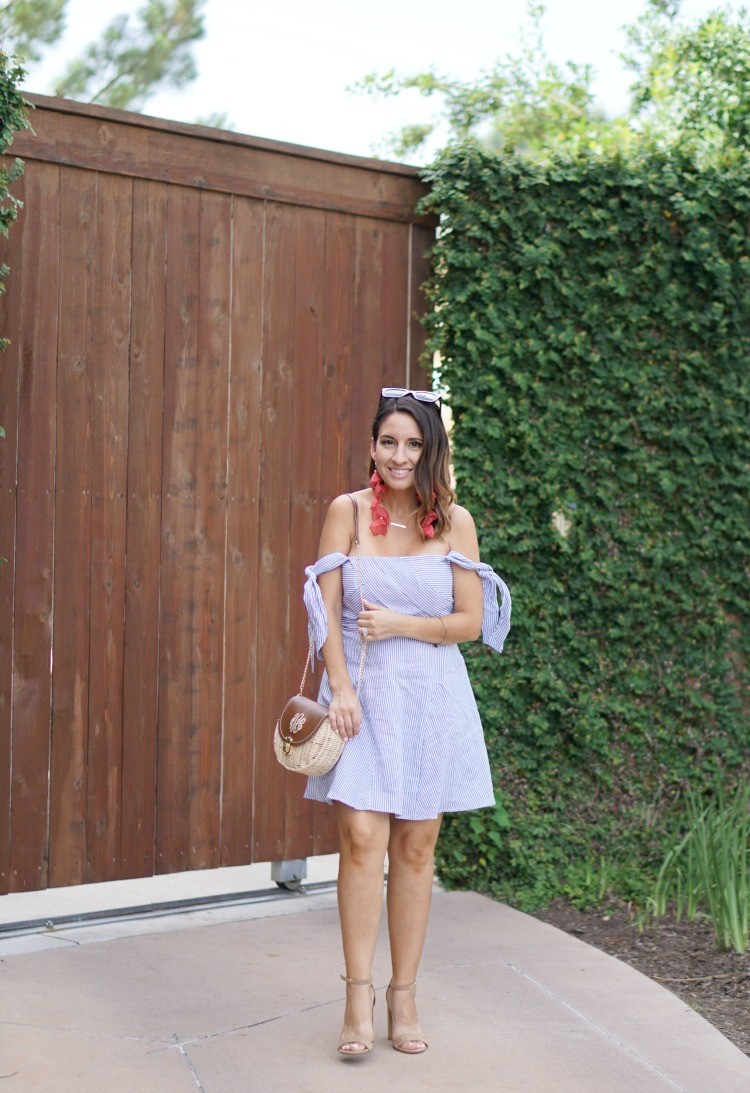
{"x":682,"y":956}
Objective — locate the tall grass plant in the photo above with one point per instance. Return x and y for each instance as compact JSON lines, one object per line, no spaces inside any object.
{"x":707,"y":872}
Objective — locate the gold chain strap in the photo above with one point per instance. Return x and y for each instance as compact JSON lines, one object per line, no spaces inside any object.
{"x":362,"y":639}
{"x":363,"y":654}
{"x":307,"y":665}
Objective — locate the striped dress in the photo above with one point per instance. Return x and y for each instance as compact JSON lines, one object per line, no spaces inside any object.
{"x":420,"y":750}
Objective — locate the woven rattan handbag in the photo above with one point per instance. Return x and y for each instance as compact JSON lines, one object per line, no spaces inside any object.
{"x":303,"y":739}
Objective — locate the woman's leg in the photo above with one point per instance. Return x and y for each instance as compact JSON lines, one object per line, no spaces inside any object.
{"x":363,"y":839}
{"x":411,"y":858}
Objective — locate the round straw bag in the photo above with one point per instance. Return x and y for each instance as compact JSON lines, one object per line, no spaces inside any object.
{"x":303,"y":740}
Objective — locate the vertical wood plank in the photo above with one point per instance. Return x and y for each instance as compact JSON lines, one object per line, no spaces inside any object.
{"x":10,"y":318}
{"x":177,"y":609}
{"x":306,"y":457}
{"x":141,"y":646}
{"x":75,"y":392}
{"x":337,"y":384}
{"x":110,"y":330}
{"x":394,"y":302}
{"x":274,"y":516}
{"x":205,"y":739}
{"x":36,"y":287}
{"x":369,"y":342}
{"x":242,"y":648}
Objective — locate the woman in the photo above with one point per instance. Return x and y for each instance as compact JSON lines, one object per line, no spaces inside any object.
{"x":414,"y":744}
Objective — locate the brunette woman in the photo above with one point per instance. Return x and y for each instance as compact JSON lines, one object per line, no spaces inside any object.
{"x":414,"y":743}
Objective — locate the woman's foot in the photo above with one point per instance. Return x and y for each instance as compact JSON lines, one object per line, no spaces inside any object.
{"x":403,"y":1024}
{"x":357,"y":1034}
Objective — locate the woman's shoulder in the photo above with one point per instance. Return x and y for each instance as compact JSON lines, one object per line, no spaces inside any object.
{"x":340,"y":508}
{"x":460,"y":518}
{"x":462,"y":536}
{"x":344,"y":500}
{"x":338,"y":527}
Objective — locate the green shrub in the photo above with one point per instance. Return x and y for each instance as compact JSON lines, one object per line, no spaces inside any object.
{"x":592,"y":320}
{"x":12,"y":118}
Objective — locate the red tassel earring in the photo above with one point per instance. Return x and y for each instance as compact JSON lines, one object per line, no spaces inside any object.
{"x":431,"y":518}
{"x":380,"y":518}
{"x":427,"y":524}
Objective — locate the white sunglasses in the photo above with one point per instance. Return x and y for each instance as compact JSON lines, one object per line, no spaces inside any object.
{"x":432,"y":397}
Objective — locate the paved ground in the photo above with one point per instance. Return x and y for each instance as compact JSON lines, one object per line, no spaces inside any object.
{"x":248,"y":997}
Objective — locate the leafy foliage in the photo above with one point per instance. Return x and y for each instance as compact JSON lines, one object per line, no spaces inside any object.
{"x":136,"y":55}
{"x":591,"y":316}
{"x":12,"y":119}
{"x":525,"y":102}
{"x":693,"y":86}
{"x":691,"y":89}
{"x":32,"y":24}
{"x":130,"y":62}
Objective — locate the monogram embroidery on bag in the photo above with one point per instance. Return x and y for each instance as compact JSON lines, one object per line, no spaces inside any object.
{"x":297,"y":722}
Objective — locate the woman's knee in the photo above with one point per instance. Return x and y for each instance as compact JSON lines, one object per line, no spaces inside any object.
{"x":362,"y":835}
{"x":412,"y":848}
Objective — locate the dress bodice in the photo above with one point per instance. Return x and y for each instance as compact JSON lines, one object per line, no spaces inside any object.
{"x":411,"y":584}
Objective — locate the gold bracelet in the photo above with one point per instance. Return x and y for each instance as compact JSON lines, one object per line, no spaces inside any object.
{"x":445,"y":631}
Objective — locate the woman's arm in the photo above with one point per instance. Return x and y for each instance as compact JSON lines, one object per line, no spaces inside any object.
{"x":344,"y":711}
{"x":465,"y":621}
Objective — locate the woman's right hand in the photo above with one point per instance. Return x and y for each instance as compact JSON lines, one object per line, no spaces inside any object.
{"x":345,"y":713}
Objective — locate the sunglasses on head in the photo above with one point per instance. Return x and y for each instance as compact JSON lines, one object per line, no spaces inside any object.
{"x":422,"y":396}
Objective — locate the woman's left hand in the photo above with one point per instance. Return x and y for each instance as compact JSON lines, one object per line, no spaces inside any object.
{"x":375,"y":623}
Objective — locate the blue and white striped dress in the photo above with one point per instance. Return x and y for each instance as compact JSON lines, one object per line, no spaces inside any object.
{"x":420,"y":750}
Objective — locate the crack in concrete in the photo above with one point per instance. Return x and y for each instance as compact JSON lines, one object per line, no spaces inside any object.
{"x":87,"y":1033}
{"x":598,"y":1028}
{"x":567,"y":1005}
{"x":244,"y":1028}
{"x":188,"y":1063}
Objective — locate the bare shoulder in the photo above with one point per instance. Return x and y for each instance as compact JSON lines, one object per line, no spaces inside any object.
{"x":461,"y":518}
{"x":338,"y":527}
{"x":463,"y":533}
{"x":340,"y":504}
{"x":340,"y":511}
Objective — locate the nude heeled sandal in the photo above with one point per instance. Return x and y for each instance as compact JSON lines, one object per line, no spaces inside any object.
{"x":411,"y":1035}
{"x":356,"y":1046}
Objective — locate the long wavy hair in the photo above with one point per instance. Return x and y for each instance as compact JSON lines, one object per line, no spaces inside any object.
{"x":432,"y":473}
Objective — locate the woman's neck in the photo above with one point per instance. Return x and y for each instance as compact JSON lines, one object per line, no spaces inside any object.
{"x":402,"y":513}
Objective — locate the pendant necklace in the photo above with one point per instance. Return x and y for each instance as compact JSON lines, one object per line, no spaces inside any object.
{"x":393,"y":524}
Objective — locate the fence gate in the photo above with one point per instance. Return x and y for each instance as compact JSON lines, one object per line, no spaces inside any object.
{"x":200,"y":324}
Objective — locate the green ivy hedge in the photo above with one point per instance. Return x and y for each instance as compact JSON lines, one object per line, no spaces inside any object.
{"x":593,"y":318}
{"x":12,"y":118}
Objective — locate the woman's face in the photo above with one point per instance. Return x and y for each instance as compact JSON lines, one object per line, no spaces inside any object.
{"x":397,"y":450}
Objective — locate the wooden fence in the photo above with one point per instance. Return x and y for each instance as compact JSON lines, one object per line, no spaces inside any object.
{"x":200,"y":324}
